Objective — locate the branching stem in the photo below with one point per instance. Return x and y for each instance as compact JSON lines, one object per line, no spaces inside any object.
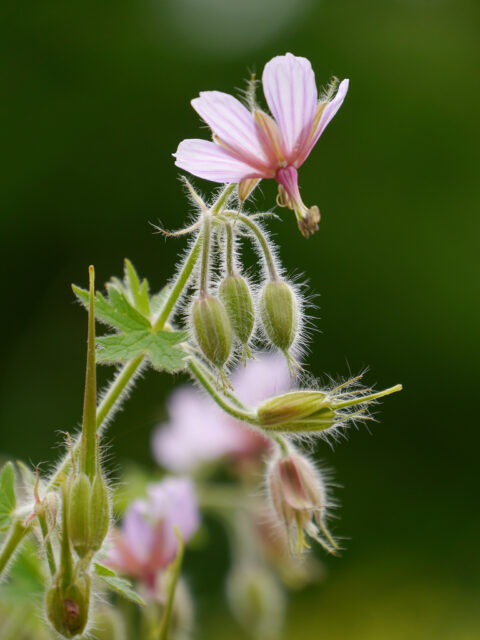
{"x":248,"y":222}
{"x":203,"y":377}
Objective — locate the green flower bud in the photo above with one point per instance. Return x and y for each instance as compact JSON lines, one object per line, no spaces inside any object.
{"x":67,"y":607}
{"x":278,"y":309}
{"x":99,"y":513}
{"x":212,"y":329}
{"x":291,"y":406}
{"x":235,"y":295}
{"x":304,"y":411}
{"x":78,"y":513}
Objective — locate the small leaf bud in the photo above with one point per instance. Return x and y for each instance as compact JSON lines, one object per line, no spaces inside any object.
{"x":279,"y":313}
{"x":236,"y":296}
{"x":212,"y":329}
{"x":78,"y":513}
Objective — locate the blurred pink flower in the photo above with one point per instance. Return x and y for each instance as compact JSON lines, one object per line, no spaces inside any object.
{"x":248,"y":146}
{"x":199,"y":432}
{"x":147,"y":542}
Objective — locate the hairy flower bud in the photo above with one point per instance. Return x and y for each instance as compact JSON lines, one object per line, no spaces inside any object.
{"x":279,"y":313}
{"x":291,"y":406}
{"x":236,"y":296}
{"x":99,"y":513}
{"x":299,"y":500}
{"x":78,"y":513}
{"x":67,"y":606}
{"x":212,"y":329}
{"x":307,"y":411}
{"x":88,"y":513}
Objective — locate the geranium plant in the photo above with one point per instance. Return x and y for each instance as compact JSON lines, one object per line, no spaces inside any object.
{"x":241,"y":340}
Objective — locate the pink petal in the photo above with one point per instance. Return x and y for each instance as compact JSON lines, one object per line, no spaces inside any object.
{"x":330,"y":110}
{"x":197,"y":432}
{"x":266,"y":376}
{"x":291,"y":94}
{"x":210,"y":161}
{"x":137,"y":532}
{"x":233,"y":124}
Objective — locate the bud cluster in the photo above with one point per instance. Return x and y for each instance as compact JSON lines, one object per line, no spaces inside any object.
{"x":229,"y":314}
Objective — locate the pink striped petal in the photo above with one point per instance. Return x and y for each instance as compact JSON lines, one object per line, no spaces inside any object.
{"x":291,"y":94}
{"x":330,"y":110}
{"x":233,"y":124}
{"x":210,"y":161}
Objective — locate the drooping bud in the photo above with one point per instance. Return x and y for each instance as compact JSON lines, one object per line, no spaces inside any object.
{"x":237,"y":299}
{"x":68,"y":606}
{"x":78,"y":513}
{"x":212,"y":329}
{"x":256,"y":599}
{"x":299,"y":500}
{"x":279,"y":313}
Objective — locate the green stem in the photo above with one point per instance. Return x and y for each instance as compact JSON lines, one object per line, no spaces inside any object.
{"x":222,"y":199}
{"x":175,"y":574}
{"x":42,"y":518}
{"x":282,"y":443}
{"x":230,"y":266}
{"x":88,"y":452}
{"x":118,"y":386}
{"x":16,"y":535}
{"x":179,"y":285}
{"x":226,"y":392}
{"x":272,"y":270}
{"x":205,"y":255}
{"x":198,"y":371}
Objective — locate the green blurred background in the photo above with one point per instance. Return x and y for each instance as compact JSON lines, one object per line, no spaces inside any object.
{"x":94,"y":100}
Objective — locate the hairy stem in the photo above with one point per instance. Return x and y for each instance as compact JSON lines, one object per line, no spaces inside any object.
{"x":205,"y":255}
{"x":230,"y":240}
{"x":42,"y":518}
{"x":180,"y":284}
{"x":222,"y":199}
{"x":248,"y":222}
{"x":118,"y":386}
{"x":204,"y":378}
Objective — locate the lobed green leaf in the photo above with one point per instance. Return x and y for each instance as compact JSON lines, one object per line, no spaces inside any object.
{"x":7,"y":495}
{"x":117,"y":584}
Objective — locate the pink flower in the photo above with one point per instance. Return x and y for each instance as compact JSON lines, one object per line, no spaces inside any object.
{"x":147,"y":542}
{"x":199,"y":432}
{"x":249,"y":146}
